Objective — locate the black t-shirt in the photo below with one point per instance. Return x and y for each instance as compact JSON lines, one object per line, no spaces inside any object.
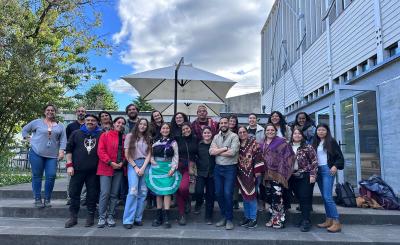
{"x":252,"y":131}
{"x":84,"y":151}
{"x":72,"y":127}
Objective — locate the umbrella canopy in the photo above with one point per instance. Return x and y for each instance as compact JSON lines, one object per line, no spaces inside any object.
{"x":189,"y":107}
{"x":193,"y":84}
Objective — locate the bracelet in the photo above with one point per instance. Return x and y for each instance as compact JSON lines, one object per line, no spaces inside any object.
{"x":70,"y":164}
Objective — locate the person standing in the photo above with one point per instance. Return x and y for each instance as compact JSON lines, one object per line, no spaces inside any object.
{"x":304,"y":176}
{"x":110,"y":169}
{"x":138,"y":153}
{"x":201,"y":121}
{"x":234,"y":127}
{"x":250,"y":166}
{"x":81,"y":165}
{"x":254,"y":129}
{"x":47,"y":143}
{"x":278,"y":159}
{"x":106,"y":122}
{"x":304,"y":122}
{"x":225,"y":148}
{"x":176,"y":124}
{"x":163,"y":178}
{"x":187,"y":147}
{"x":205,"y":176}
{"x":75,"y":125}
{"x":277,"y":119}
{"x":330,"y":160}
{"x":156,"y":120}
{"x":132,"y":112}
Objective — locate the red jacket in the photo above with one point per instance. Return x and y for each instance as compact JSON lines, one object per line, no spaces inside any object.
{"x":107,"y":151}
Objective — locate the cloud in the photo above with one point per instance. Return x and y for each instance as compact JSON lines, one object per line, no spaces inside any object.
{"x":221,"y":36}
{"x":122,"y":87}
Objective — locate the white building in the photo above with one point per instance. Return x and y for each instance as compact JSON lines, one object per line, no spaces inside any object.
{"x":338,"y":60}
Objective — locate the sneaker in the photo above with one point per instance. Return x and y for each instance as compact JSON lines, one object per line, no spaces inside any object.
{"x":101,"y":223}
{"x":244,"y":222}
{"x":251,"y":224}
{"x":110,"y":221}
{"x":138,"y":223}
{"x":38,"y":203}
{"x":47,"y":203}
{"x":269,"y":223}
{"x":128,"y":226}
{"x":220,"y":223}
{"x":229,"y":225}
{"x":277,"y":226}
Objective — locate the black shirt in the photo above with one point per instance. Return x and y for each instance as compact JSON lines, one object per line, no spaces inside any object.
{"x":72,"y":127}
{"x":187,"y":148}
{"x":84,"y":151}
{"x":252,"y":131}
{"x":205,"y":163}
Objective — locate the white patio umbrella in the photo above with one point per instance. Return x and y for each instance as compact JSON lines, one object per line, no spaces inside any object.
{"x":189,"y":107}
{"x":193,"y":84}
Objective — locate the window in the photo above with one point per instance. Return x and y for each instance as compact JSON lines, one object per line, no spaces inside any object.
{"x":393,"y":50}
{"x":364,"y":66}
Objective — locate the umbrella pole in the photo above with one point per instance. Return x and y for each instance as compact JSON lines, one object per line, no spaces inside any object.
{"x":176,"y":85}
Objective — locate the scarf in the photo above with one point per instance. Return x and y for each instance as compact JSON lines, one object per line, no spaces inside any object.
{"x":93,"y":133}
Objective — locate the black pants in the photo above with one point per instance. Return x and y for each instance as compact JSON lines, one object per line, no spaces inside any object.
{"x":91,"y":180}
{"x":303,"y":191}
{"x":208,"y":183}
{"x":123,"y":191}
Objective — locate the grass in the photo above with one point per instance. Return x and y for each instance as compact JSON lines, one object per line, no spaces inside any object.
{"x":13,"y":178}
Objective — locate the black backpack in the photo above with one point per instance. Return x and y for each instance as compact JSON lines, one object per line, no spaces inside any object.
{"x":345,"y":195}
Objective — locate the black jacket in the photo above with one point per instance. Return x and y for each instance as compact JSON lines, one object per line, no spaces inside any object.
{"x":205,"y":163}
{"x":84,"y":151}
{"x":187,"y":147}
{"x":336,"y":157}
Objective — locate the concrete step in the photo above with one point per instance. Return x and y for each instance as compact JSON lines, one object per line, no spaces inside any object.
{"x":51,"y":231}
{"x":23,"y":208}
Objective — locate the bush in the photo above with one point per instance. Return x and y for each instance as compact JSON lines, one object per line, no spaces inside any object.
{"x":9,"y":176}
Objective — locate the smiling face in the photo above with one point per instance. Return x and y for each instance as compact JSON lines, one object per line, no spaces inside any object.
{"x":301,"y":119}
{"x":243,"y":135}
{"x":179,"y":119}
{"x":142,"y":126}
{"x":297,"y":136}
{"x":270,"y":132}
{"x":105,"y":118}
{"x":80,"y":113}
{"x":322,"y":132}
{"x":275,"y":119}
{"x":50,"y":112}
{"x":252,"y":120}
{"x":165,"y":129}
{"x":207,"y":134}
{"x":232,"y":123}
{"x":119,"y":125}
{"x":202,"y":113}
{"x":90,"y":123}
{"x":157,"y":117}
{"x":223,"y":125}
{"x":186,"y":130}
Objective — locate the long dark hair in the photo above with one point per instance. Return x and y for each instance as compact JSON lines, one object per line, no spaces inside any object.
{"x":175,"y":126}
{"x":135,"y":137}
{"x":152,"y":121}
{"x":282,"y":122}
{"x":170,"y":129}
{"x":309,"y":122}
{"x":236,"y":128}
{"x":328,"y":142}
{"x":303,"y":140}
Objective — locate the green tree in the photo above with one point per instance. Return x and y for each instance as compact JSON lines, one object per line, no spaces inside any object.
{"x":44,"y":48}
{"x":99,"y":97}
{"x":142,"y":104}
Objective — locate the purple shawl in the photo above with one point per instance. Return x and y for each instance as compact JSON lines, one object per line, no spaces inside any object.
{"x":278,"y":159}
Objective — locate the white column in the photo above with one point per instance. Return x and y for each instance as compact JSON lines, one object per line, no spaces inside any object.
{"x":378,"y":31}
{"x":328,"y":47}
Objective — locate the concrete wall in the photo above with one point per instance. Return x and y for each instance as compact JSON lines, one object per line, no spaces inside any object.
{"x":246,"y":103}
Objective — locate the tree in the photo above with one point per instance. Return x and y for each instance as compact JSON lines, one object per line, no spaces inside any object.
{"x":98,"y":97}
{"x":142,"y":104}
{"x":44,"y":47}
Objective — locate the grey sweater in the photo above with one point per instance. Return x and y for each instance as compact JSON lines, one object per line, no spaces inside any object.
{"x":41,"y":143}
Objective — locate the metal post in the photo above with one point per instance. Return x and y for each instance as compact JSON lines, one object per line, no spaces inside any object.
{"x":176,"y":85}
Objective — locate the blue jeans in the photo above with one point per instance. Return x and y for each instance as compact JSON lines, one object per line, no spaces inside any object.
{"x":325,"y":183}
{"x":39,"y":165}
{"x":224,"y":178}
{"x":250,"y":209}
{"x":134,"y":205}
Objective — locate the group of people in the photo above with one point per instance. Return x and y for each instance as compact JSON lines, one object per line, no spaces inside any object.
{"x":136,"y":159}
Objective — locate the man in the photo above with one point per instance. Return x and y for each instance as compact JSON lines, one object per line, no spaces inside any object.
{"x":201,"y":121}
{"x":225,"y":148}
{"x":80,"y":120}
{"x":255,"y":130}
{"x":132,"y":112}
{"x":81,"y":165}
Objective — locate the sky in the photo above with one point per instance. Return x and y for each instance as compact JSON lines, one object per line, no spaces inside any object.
{"x":220,"y":36}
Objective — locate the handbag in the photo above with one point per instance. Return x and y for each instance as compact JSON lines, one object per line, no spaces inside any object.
{"x":299,"y":175}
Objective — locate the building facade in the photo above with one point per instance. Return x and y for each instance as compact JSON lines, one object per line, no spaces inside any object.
{"x":245,"y":103}
{"x":338,"y":60}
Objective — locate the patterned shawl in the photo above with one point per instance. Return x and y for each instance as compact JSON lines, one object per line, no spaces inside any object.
{"x":278,"y":159}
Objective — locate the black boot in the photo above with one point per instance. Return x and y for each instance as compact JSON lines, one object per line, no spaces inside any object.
{"x":166,"y":219}
{"x":72,"y":221}
{"x":89,"y":220}
{"x":159,"y":218}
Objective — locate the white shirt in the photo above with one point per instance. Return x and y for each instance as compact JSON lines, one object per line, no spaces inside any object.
{"x":322,"y":155}
{"x":295,"y":146}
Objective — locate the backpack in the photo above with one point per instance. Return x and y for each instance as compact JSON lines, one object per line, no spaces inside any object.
{"x":345,"y":195}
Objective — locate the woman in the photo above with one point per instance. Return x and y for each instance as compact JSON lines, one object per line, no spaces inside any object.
{"x":187,"y":145}
{"x":233,"y":123}
{"x":204,"y":180}
{"x":47,"y":145}
{"x":250,"y":166}
{"x":163,"y":179}
{"x":330,"y":159}
{"x":304,"y":122}
{"x":110,"y":169}
{"x":106,"y":121}
{"x":280,"y":124}
{"x":278,"y":159}
{"x":304,"y":176}
{"x":156,"y":120}
{"x":137,"y":152}
{"x":176,"y":124}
